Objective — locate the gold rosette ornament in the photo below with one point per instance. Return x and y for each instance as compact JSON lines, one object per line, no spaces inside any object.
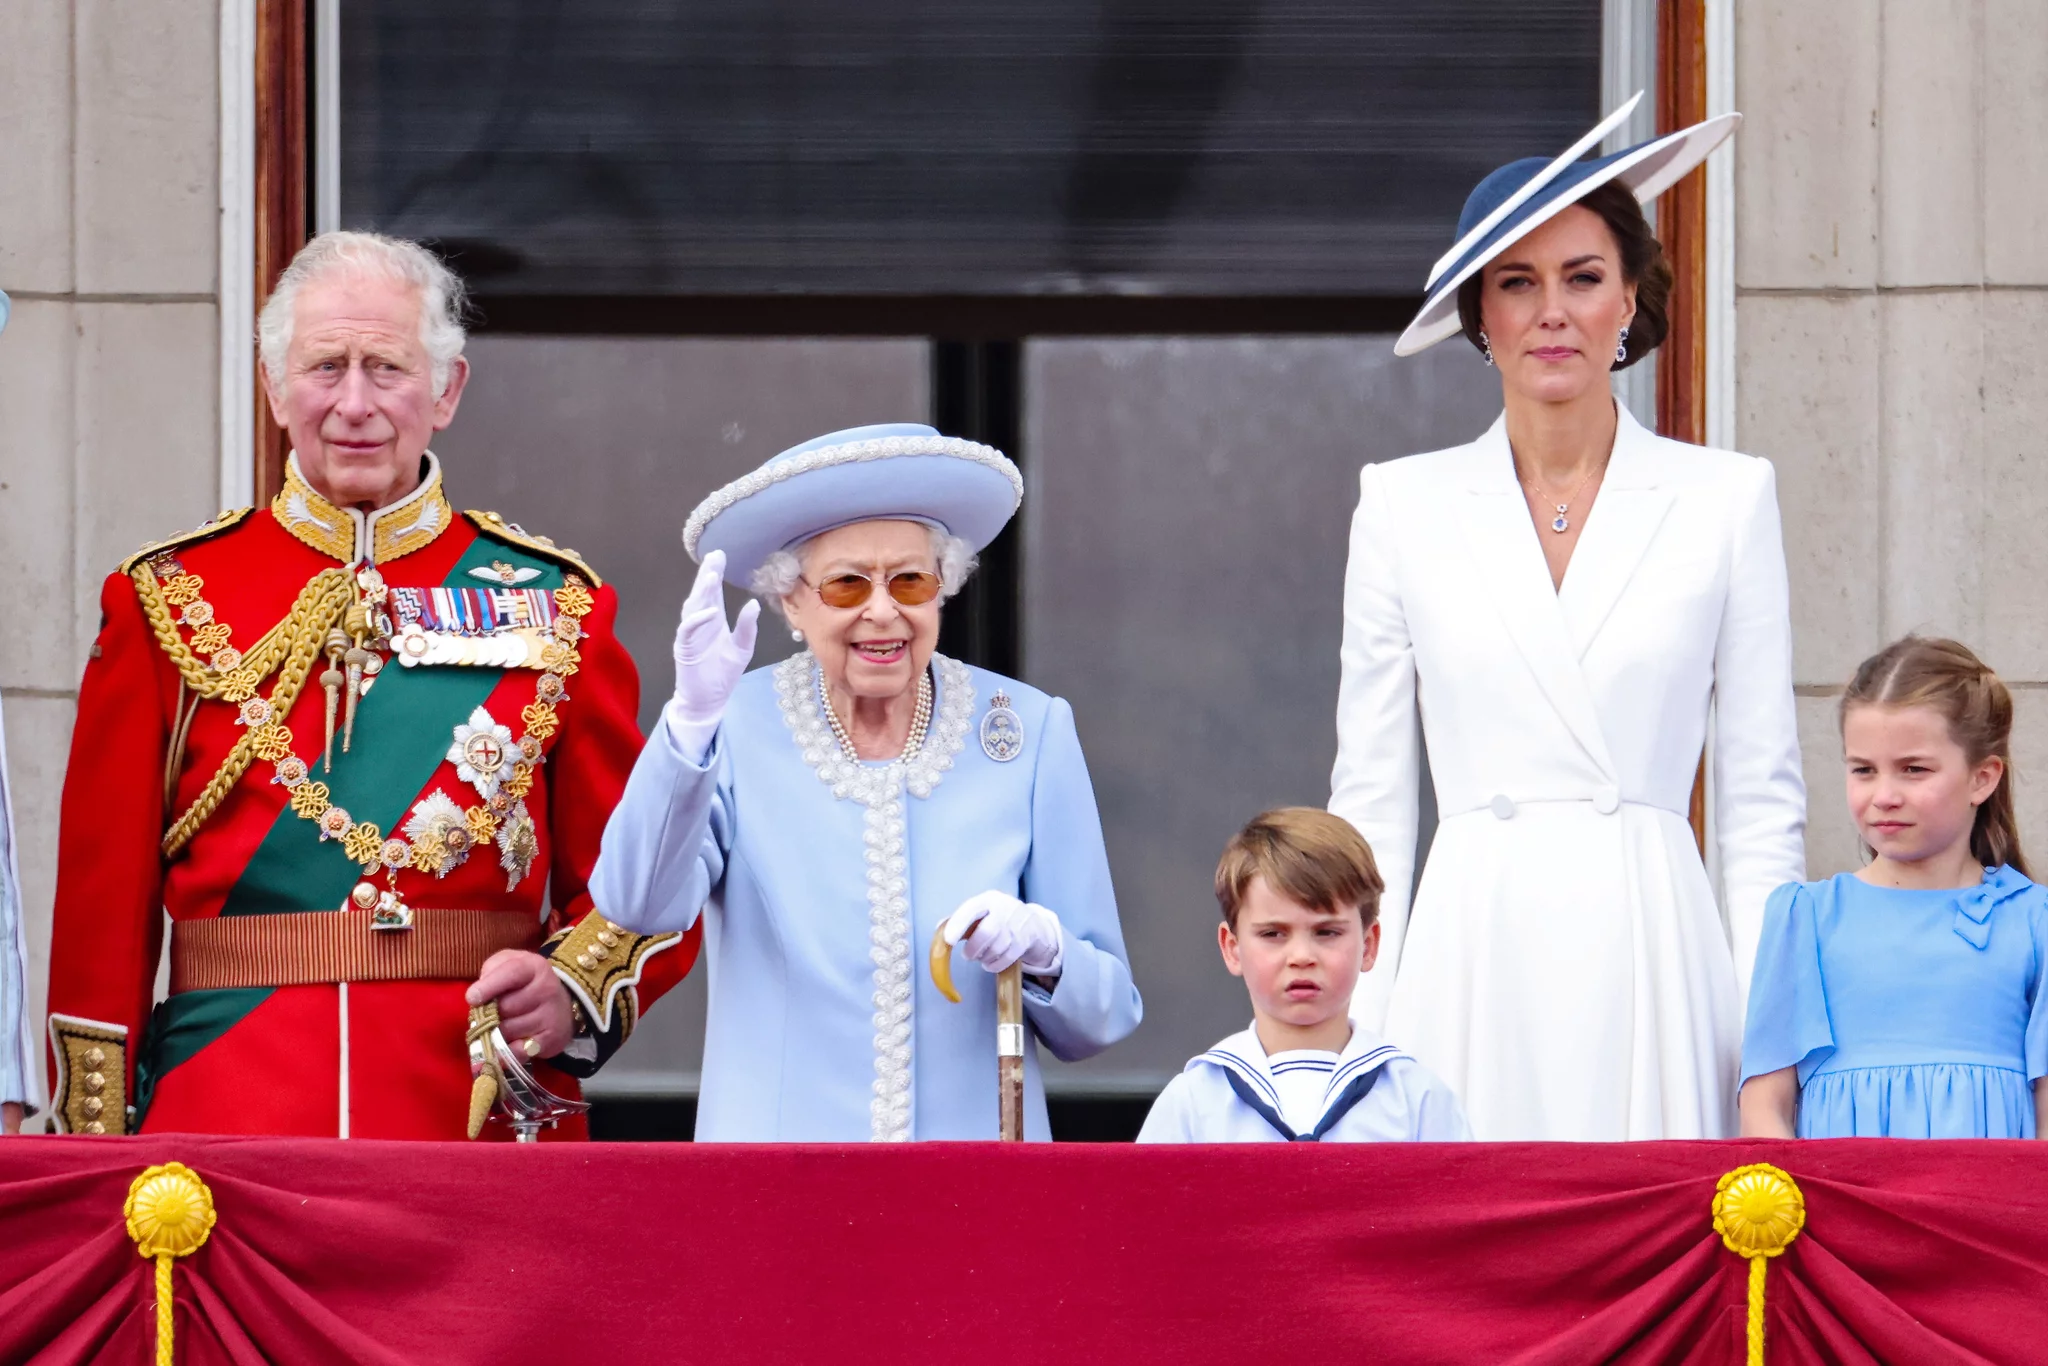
{"x":1758,"y":1211}
{"x":170,"y":1213}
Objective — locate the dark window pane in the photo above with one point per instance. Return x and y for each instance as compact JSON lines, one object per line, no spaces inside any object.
{"x":656,"y":147}
{"x":1188,"y":512}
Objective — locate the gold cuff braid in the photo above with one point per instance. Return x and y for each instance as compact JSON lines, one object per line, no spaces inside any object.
{"x":91,"y":1085}
{"x":600,"y":962}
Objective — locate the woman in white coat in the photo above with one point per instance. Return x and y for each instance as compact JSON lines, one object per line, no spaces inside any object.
{"x":1560,"y":602}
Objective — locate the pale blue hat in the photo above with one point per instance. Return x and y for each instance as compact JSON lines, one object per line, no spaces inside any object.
{"x":1521,"y":196}
{"x":894,"y":471}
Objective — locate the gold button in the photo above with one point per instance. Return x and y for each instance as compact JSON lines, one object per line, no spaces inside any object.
{"x":95,"y":1082}
{"x":95,"y":1128}
{"x":608,"y":939}
{"x":615,"y":927}
{"x":597,"y":952}
{"x":95,"y":1057}
{"x":93,"y":1105}
{"x":584,"y":961}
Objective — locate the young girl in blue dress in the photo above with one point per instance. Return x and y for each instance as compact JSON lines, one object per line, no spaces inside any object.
{"x":1910,"y":999}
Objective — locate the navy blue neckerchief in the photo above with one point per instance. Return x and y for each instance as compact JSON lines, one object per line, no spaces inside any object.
{"x":1332,"y":1113}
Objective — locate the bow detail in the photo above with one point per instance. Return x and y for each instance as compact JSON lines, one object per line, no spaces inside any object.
{"x":1974,"y":906}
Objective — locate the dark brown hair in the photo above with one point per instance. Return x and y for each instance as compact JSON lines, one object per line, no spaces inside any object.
{"x":1642,"y":265}
{"x":1308,"y":856}
{"x":1946,"y":676}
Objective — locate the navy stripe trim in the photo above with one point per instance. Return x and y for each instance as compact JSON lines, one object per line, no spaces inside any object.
{"x":1345,"y":1103}
{"x":1238,"y":1067}
{"x":1259,"y":1107}
{"x":1377,"y":1057}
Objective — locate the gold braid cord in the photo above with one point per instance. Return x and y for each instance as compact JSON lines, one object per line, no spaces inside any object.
{"x":1758,"y":1211}
{"x":290,"y":647}
{"x":170,"y":1214}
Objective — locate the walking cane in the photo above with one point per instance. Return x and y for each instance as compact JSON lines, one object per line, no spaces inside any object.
{"x":1009,"y":1033}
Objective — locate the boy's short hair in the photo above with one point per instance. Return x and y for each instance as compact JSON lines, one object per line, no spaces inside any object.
{"x":1308,"y":856}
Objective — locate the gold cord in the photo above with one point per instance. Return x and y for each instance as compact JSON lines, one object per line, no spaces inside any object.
{"x":329,"y":591}
{"x":169,"y":1213}
{"x":320,"y":604}
{"x":1758,"y":1211}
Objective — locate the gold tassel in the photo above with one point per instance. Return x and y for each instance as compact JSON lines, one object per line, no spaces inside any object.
{"x":1758,"y":1211}
{"x":357,"y":657}
{"x":331,"y":680}
{"x":483,"y":1088}
{"x":170,"y":1213}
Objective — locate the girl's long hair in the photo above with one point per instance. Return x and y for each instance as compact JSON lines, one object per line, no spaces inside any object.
{"x":1948,"y":677}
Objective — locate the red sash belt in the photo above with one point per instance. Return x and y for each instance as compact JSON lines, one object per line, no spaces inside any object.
{"x":297,"y":948}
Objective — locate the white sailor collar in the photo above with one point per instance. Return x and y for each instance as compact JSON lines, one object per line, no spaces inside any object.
{"x":1243,"y":1055}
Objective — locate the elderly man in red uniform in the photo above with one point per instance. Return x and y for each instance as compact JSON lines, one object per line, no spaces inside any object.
{"x":355,"y":743}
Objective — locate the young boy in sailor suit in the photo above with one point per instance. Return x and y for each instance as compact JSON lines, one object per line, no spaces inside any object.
{"x":1300,"y":897}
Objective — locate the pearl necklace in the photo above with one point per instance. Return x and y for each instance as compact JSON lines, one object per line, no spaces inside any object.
{"x":920,"y":719}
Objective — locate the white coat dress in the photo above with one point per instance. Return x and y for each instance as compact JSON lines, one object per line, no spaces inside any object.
{"x":1566,"y":969}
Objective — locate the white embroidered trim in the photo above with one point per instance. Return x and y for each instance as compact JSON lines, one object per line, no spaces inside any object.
{"x":849,"y":453}
{"x":880,"y":788}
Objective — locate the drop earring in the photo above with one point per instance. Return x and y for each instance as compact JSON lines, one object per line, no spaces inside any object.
{"x":1486,"y":346}
{"x":1621,"y":347}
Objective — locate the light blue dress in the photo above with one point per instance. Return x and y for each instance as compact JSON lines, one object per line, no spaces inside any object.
{"x":1909,"y":1014}
{"x":826,"y":880}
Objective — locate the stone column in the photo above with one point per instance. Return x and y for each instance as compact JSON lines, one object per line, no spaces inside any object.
{"x":108,"y":383}
{"x":1891,"y":288}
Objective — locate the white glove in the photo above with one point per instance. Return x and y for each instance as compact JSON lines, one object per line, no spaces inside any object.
{"x":709,"y":660}
{"x":995,"y":930}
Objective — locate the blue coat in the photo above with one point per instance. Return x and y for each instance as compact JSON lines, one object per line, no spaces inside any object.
{"x":825,"y":882}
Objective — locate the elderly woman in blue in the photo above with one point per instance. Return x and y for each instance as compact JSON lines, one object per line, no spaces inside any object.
{"x":836,"y":809}
{"x":1909,"y":999}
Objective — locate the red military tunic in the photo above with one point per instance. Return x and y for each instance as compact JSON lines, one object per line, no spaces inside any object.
{"x":198,"y":785}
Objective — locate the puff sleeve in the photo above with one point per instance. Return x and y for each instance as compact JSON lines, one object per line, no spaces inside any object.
{"x":1788,"y":1002}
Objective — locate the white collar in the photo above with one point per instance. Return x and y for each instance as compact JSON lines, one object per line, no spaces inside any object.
{"x":1243,"y":1054}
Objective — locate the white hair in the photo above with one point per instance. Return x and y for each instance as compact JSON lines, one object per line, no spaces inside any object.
{"x":781,"y":572}
{"x":369,"y":253}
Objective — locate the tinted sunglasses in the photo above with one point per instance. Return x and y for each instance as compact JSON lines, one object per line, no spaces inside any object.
{"x":912,"y":588}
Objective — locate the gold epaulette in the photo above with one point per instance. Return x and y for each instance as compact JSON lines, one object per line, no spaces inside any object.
{"x":496,"y":527}
{"x":226,"y":521}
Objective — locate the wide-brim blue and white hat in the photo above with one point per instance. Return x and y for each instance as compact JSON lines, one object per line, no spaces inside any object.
{"x":1523,"y":195}
{"x":896,"y":471}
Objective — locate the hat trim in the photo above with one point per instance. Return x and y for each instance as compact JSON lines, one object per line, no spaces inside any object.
{"x":1530,"y":188}
{"x":848,"y":453}
{"x":1426,"y":331}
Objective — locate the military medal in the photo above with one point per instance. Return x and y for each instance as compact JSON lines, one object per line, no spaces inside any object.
{"x":505,"y":628}
{"x":387,"y":909}
{"x":482,"y":751}
{"x":1002,"y":733}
